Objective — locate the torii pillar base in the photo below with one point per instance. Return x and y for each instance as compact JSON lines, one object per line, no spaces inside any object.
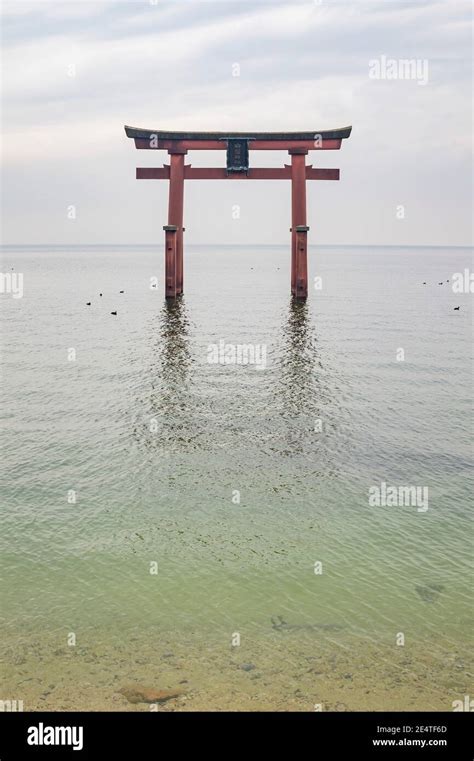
{"x":301,"y":262}
{"x":171,"y":261}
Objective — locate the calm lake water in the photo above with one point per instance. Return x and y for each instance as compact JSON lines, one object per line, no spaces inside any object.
{"x":218,"y":503}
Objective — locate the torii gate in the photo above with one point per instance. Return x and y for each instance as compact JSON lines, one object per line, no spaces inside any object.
{"x":237,"y":145}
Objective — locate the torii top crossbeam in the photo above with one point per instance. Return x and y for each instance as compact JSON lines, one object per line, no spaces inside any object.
{"x":237,"y":146}
{"x":208,"y":140}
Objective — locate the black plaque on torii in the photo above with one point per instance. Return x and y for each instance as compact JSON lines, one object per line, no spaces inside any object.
{"x":238,"y":154}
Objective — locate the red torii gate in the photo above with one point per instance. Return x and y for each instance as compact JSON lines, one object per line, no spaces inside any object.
{"x":237,"y":145}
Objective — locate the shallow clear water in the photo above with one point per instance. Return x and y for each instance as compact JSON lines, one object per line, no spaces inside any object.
{"x":156,"y":441}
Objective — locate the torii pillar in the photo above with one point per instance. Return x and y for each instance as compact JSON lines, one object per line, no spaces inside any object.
{"x":174,"y":273}
{"x":299,"y":229}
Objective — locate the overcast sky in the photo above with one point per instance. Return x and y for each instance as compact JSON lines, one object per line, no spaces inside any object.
{"x":75,"y":72}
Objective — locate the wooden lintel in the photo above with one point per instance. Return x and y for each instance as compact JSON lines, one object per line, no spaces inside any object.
{"x":182,"y":146}
{"x":218,"y":173}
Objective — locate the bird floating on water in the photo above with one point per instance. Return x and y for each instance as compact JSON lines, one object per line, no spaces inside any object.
{"x":121,"y":291}
{"x":88,"y":303}
{"x":113,"y":313}
{"x":456,"y":309}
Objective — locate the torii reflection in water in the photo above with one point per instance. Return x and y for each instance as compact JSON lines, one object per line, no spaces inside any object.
{"x":314,"y":419}
{"x":168,"y":398}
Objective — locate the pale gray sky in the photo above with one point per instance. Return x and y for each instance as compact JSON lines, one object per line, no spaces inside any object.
{"x":169,"y":65}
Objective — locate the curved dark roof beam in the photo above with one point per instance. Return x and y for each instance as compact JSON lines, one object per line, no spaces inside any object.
{"x":148,"y":134}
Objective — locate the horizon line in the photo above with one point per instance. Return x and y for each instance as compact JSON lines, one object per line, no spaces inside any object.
{"x":237,"y":245}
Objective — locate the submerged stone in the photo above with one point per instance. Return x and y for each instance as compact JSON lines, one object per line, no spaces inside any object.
{"x":429,"y":592}
{"x":137,"y":693}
